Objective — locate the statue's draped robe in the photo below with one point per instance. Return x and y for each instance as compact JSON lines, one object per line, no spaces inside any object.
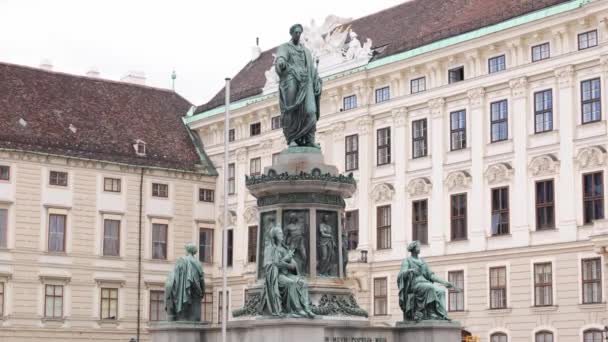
{"x":299,"y":93}
{"x":284,"y":292}
{"x":419,"y":298}
{"x":327,"y":243}
{"x":184,"y":290}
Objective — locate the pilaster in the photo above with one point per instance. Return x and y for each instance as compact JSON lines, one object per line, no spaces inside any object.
{"x":336,"y":136}
{"x":437,"y":224}
{"x":240,"y":246}
{"x":399,"y":155}
{"x":477,"y":115}
{"x":566,"y":205}
{"x":518,"y":196}
{"x":366,"y":163}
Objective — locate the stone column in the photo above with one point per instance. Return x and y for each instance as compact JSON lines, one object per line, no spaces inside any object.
{"x":518,"y":192}
{"x":437,"y":207}
{"x":564,"y":106}
{"x":366,"y":163}
{"x":399,"y":155}
{"x":337,"y":139}
{"x":477,"y":118}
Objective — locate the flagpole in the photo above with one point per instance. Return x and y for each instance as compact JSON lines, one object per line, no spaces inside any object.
{"x":225,"y":227}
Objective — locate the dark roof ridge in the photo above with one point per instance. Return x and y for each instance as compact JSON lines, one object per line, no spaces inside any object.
{"x":85,"y":77}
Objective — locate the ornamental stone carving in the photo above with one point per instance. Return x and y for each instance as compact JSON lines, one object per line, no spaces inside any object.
{"x":241,"y":154}
{"x":338,"y":130}
{"x":544,"y":165}
{"x":518,"y":86}
{"x":458,"y":180}
{"x":419,"y":187}
{"x":436,"y":107}
{"x":476,"y":97}
{"x":591,"y":157}
{"x":565,"y":76}
{"x":400,"y":116}
{"x":383,"y":192}
{"x":499,"y":173}
{"x":365,"y":124}
{"x":604,"y":63}
{"x":231,"y":218}
{"x":250,"y":215}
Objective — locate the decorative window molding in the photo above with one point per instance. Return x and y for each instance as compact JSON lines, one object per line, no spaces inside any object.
{"x":591,"y":157}
{"x":383,"y":192}
{"x":499,"y":173}
{"x":251,"y":215}
{"x":544,"y":165}
{"x":107,"y":282}
{"x":419,"y":187}
{"x":54,"y":279}
{"x":458,"y":181}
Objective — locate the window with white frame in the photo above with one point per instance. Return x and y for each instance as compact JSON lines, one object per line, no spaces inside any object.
{"x":587,"y":40}
{"x":111,"y":237}
{"x":593,"y":335}
{"x":591,"y":102}
{"x":540,"y":52}
{"x":159,"y":241}
{"x":53,"y":301}
{"x":58,"y":178}
{"x":499,"y":121}
{"x":498,"y":287}
{"x":109,"y":304}
{"x":276,"y":122}
{"x":383,"y":146}
{"x":380,"y":297}
{"x":418,"y":85}
{"x":160,"y":190}
{"x":57,"y":232}
{"x":458,"y":130}
{"x":496,"y":64}
{"x":419,"y":141}
{"x":543,"y":111}
{"x":498,"y":337}
{"x":255,"y":166}
{"x":592,"y":280}
{"x":383,"y":94}
{"x":456,"y":295}
{"x":206,"y":195}
{"x":5,"y":172}
{"x":349,"y":102}
{"x":111,"y":184}
{"x":543,"y":336}
{"x":157,"y":305}
{"x":543,"y":284}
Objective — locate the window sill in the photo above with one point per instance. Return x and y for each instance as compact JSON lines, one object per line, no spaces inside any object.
{"x":545,"y":230}
{"x":458,"y":313}
{"x":593,"y":306}
{"x":111,"y":257}
{"x":545,"y":308}
{"x":64,"y":254}
{"x":499,"y":311}
{"x":458,"y":241}
{"x":499,"y":236}
{"x":499,"y":142}
{"x":53,"y":319}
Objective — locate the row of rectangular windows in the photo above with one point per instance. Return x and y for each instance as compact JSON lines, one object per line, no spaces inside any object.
{"x":495,"y":64}
{"x":60,"y":178}
{"x":543,"y":122}
{"x":591,"y":285}
{"x":54,"y":296}
{"x":589,"y":335}
{"x":593,"y":209}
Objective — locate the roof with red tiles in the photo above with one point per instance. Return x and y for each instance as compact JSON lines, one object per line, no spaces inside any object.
{"x":92,"y":118}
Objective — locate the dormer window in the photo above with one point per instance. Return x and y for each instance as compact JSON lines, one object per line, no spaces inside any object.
{"x":140,"y":148}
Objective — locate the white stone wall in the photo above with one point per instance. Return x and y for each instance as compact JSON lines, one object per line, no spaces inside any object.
{"x":525,"y":153}
{"x":26,"y":265}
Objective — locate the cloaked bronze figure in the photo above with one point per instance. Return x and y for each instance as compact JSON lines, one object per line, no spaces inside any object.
{"x":185,"y":288}
{"x":419,"y":298}
{"x":299,"y":90}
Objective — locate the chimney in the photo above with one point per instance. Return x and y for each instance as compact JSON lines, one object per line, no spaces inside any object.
{"x":256,"y":51}
{"x":46,"y":64}
{"x":135,"y":77}
{"x":92,"y":72}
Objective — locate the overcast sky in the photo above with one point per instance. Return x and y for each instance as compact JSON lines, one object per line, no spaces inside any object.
{"x":205,"y":41}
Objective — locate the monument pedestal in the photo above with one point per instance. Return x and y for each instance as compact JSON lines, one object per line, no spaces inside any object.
{"x":428,"y":331}
{"x":326,"y":329}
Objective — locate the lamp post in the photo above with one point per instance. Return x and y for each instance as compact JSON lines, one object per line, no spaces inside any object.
{"x":225,"y":231}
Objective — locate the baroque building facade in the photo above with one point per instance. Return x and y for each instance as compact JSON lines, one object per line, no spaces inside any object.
{"x":101,"y":186}
{"x":483,"y":135}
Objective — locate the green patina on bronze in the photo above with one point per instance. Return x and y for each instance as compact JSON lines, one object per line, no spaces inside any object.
{"x":302,"y":176}
{"x":302,"y":198}
{"x":185,"y":288}
{"x":419,"y":298}
{"x":299,"y":90}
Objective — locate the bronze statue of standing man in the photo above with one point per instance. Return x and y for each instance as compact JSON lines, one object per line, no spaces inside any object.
{"x":299,"y":90}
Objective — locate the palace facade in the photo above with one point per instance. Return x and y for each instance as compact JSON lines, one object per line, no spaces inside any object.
{"x":101,"y":186}
{"x":476,"y":127}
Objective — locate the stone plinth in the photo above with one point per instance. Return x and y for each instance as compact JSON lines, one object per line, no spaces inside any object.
{"x":307,"y":330}
{"x":429,"y":331}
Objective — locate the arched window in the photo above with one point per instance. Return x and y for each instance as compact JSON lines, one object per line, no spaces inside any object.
{"x":498,"y":337}
{"x":544,"y":336}
{"x":592,"y":335}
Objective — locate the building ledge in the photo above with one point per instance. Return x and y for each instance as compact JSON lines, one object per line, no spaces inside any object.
{"x":545,"y":308}
{"x":593,"y":307}
{"x":499,"y":311}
